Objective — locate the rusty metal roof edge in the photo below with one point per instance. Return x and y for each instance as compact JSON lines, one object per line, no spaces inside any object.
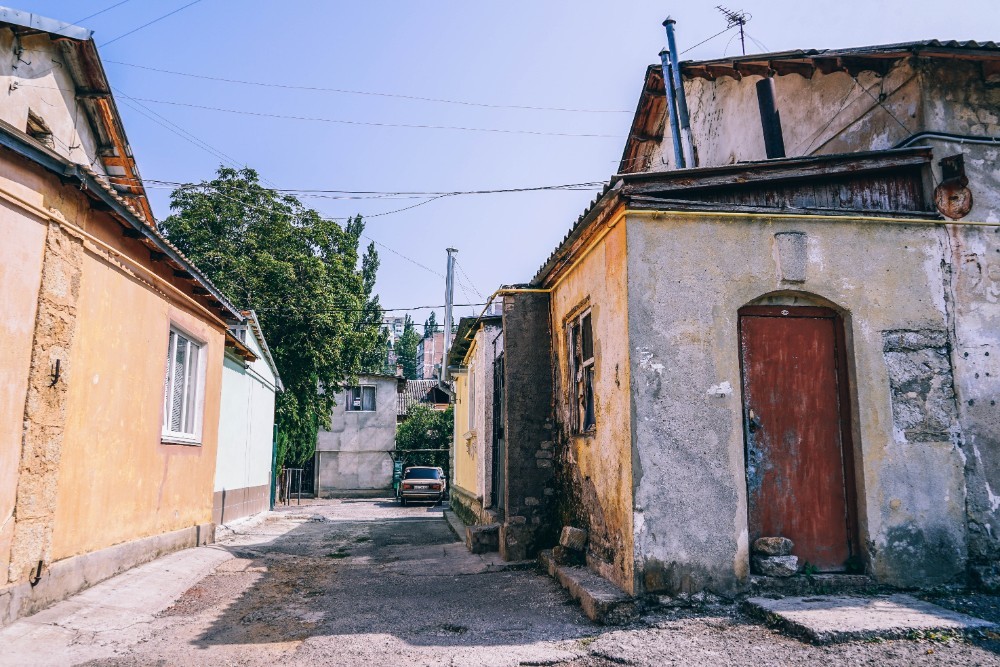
{"x":251,"y":318}
{"x":23,"y":19}
{"x":650,"y":203}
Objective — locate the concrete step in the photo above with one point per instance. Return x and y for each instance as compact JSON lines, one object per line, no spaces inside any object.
{"x":827,"y":619}
{"x":815,"y":584}
{"x":483,"y":539}
{"x":601,"y":601}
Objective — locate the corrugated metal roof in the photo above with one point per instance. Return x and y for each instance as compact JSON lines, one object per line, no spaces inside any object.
{"x":414,"y":392}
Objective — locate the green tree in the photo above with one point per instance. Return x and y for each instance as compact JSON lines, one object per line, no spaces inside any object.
{"x":430,"y":325}
{"x":426,"y":428}
{"x":406,"y":349}
{"x":307,"y":280}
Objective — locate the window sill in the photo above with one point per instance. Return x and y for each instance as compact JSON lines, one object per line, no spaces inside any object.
{"x":179,"y":440}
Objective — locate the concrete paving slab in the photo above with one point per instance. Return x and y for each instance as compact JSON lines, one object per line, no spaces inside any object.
{"x":826,"y":619}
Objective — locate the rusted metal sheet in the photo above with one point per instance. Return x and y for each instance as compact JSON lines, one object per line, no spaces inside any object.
{"x":796,"y":481}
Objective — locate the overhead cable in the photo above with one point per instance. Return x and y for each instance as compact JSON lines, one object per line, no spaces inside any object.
{"x":341,"y":121}
{"x":348,"y":91}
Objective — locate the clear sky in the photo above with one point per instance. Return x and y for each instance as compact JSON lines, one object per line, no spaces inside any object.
{"x":585,"y":55}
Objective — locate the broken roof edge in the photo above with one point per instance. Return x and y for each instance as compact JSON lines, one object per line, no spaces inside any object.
{"x":94,"y":186}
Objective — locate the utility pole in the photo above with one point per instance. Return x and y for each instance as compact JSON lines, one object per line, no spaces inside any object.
{"x":449,"y":300}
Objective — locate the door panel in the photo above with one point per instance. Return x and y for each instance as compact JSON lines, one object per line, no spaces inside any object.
{"x":795,"y":462}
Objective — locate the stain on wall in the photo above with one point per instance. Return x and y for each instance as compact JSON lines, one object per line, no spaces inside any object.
{"x":921,"y":384}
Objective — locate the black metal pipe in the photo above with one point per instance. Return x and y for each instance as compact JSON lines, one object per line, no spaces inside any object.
{"x":770,"y":119}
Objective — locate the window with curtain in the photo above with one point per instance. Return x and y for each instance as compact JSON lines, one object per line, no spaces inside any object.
{"x":361,"y":399}
{"x":182,"y":388}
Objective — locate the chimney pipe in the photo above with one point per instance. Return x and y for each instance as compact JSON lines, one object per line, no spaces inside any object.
{"x":770,"y":119}
{"x":687,"y":143}
{"x":668,"y":84}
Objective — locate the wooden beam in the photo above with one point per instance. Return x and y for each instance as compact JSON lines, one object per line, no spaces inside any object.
{"x":183,"y":273}
{"x":754,"y":69}
{"x":157,"y":256}
{"x":133,"y":233}
{"x":199,"y":290}
{"x":724,"y":70}
{"x":829,"y":65}
{"x":783,"y":67}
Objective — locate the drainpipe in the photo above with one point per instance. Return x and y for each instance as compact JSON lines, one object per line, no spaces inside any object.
{"x":274,"y":461}
{"x":682,"y":108}
{"x":668,"y":84}
{"x":770,"y":120}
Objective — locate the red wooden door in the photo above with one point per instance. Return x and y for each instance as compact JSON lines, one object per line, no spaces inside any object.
{"x":796,"y":472}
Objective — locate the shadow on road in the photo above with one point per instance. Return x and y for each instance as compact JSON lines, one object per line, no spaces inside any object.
{"x":388,"y":573}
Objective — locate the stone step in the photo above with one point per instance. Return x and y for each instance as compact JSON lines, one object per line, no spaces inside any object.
{"x":815,"y":584}
{"x":827,"y":619}
{"x":483,"y":539}
{"x":601,"y":601}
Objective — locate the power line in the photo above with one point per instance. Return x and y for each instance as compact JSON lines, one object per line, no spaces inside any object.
{"x":722,"y":32}
{"x":106,"y":9}
{"x":341,"y":121}
{"x":362,"y":310}
{"x":146,"y":25}
{"x":349,"y":91}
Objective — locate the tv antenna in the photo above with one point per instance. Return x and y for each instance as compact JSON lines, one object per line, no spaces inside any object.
{"x":736,"y":17}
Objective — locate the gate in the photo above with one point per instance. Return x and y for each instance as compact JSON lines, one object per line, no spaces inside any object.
{"x":499,"y":453}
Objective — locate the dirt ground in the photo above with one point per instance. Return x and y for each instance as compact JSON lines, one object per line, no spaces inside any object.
{"x":366,"y":582}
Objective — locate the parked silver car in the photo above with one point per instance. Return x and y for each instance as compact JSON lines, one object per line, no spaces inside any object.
{"x":422,"y":483}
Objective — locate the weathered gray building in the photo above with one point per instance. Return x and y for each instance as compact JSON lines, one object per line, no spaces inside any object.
{"x":803,"y":346}
{"x":356,"y":453}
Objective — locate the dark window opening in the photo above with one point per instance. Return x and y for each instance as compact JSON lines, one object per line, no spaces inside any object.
{"x":39,"y":131}
{"x":581,"y":341}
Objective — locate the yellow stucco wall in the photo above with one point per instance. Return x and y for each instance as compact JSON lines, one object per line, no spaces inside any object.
{"x":466,"y":462}
{"x":601,"y":462}
{"x":20,"y":275}
{"x":117,"y":482}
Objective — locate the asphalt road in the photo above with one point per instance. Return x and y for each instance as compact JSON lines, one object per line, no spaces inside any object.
{"x":366,"y":582}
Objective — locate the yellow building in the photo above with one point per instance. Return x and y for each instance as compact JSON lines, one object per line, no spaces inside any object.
{"x":112,"y":341}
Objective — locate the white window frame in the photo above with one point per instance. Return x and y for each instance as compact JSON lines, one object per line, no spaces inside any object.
{"x":582,"y":372}
{"x":194,"y":402}
{"x":472,"y":397}
{"x":349,"y":399}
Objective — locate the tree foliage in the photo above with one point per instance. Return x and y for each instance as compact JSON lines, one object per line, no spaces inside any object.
{"x":406,"y":349}
{"x":430,"y":325}
{"x":426,"y":428}
{"x":307,"y":281}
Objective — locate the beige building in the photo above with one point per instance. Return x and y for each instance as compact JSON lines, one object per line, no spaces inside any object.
{"x":113,"y":341}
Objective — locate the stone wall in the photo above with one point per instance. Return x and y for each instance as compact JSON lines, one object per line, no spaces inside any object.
{"x":529,"y":524}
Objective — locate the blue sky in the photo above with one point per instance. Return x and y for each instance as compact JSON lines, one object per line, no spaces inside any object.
{"x":584,"y":55}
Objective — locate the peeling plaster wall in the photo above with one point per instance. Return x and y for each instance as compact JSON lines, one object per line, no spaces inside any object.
{"x":690,"y":483}
{"x":598,"y":467}
{"x":834,"y":113}
{"x":39,"y":81}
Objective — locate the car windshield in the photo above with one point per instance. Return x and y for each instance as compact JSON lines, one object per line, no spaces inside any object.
{"x":420,"y":473}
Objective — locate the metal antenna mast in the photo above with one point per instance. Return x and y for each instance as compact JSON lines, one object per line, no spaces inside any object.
{"x":736,"y":17}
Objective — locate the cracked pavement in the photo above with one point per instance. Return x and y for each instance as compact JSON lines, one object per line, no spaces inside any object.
{"x":366,"y":582}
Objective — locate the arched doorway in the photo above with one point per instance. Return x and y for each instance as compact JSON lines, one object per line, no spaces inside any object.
{"x":800,"y":481}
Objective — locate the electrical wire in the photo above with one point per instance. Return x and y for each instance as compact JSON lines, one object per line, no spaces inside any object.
{"x":706,"y":40}
{"x":146,"y":25}
{"x":468,"y":279}
{"x":362,"y":310}
{"x":341,"y":121}
{"x":106,"y":9}
{"x":348,"y":91}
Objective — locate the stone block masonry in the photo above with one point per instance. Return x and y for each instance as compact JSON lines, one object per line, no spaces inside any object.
{"x":45,"y":404}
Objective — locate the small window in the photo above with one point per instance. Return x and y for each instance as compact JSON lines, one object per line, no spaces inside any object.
{"x":39,"y":131}
{"x":581,"y":353}
{"x":182,"y":389}
{"x":361,"y":399}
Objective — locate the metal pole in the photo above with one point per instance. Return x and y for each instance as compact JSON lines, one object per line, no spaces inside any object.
{"x":668,"y":84}
{"x":274,"y":462}
{"x":449,"y":299}
{"x":682,"y":107}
